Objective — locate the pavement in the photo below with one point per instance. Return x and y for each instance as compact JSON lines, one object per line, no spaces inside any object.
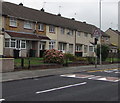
{"x":28,"y":74}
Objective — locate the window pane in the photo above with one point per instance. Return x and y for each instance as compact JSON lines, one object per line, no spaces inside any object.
{"x":6,"y":42}
{"x":13,"y":22}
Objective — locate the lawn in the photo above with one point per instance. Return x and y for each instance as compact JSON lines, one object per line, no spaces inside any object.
{"x":33,"y":61}
{"x":113,"y":59}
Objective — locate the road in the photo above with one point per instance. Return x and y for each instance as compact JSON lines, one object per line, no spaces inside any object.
{"x":99,"y":85}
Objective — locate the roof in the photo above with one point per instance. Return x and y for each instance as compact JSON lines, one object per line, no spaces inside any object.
{"x":10,"y":9}
{"x":27,"y":36}
{"x":116,"y":31}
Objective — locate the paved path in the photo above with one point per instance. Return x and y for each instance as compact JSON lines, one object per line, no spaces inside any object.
{"x":25,"y":74}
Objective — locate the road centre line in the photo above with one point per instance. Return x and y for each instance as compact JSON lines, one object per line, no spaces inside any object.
{"x":49,"y":90}
{"x":102,"y":70}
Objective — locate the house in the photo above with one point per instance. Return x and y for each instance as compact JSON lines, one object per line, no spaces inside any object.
{"x":114,"y":39}
{"x":28,"y":32}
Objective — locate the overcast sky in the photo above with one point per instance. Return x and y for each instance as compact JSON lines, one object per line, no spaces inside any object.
{"x":82,"y":10}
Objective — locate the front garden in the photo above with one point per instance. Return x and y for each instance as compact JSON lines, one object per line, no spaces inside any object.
{"x":53,"y":59}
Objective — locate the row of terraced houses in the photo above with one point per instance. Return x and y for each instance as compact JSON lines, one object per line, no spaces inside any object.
{"x":33,"y":31}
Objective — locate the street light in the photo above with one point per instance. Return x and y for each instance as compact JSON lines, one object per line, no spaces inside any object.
{"x":100,"y":30}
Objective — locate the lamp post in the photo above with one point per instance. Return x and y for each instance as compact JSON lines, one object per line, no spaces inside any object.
{"x":100,"y":31}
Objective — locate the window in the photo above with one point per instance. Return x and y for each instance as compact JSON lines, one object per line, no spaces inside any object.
{"x":62,"y":30}
{"x":85,"y":48}
{"x":78,"y":33}
{"x":27,"y":25}
{"x":51,"y":45}
{"x":62,"y":47}
{"x":86,"y":35}
{"x":41,"y":27}
{"x":51,"y":29}
{"x":13,"y":22}
{"x":78,"y":47}
{"x":71,"y":48}
{"x":91,"y":35}
{"x":23,"y":44}
{"x":91,"y":48}
{"x":42,"y":46}
{"x":13,"y":43}
{"x":7,"y":42}
{"x":70,"y":32}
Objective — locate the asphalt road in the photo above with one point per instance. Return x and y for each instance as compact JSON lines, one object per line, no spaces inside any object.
{"x":83,"y":86}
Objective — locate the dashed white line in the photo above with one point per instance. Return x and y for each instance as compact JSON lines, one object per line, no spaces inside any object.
{"x":49,"y":90}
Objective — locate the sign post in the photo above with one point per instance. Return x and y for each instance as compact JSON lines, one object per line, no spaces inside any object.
{"x":96,"y":34}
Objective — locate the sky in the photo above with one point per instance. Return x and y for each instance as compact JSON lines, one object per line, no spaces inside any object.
{"x":82,"y":10}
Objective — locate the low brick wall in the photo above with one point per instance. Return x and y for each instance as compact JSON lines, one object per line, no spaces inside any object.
{"x":6,"y":64}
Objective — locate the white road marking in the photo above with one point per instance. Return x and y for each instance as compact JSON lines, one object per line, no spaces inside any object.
{"x":2,"y":100}
{"x":49,"y":90}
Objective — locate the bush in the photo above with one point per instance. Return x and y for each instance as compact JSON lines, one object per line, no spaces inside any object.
{"x":81,"y":59}
{"x":69,"y":57}
{"x":91,"y":60}
{"x":104,"y":52}
{"x":53,"y":56}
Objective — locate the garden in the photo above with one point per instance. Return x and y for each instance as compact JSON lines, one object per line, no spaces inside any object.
{"x":55,"y":59}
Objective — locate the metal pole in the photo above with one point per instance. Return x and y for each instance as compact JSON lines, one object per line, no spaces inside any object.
{"x":100,"y":32}
{"x":95,"y":56}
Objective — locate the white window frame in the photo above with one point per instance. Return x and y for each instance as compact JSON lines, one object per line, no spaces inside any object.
{"x":78,"y":34}
{"x":13,"y":22}
{"x":62,"y":30}
{"x":14,"y":41}
{"x":78,"y":47}
{"x":27,"y":25}
{"x":86,"y":34}
{"x":51,"y":29}
{"x":7,"y":41}
{"x":51,"y":45}
{"x":22,"y":41}
{"x":62,"y":47}
{"x":91,"y":49}
{"x":70,"y":32}
{"x":41,"y":27}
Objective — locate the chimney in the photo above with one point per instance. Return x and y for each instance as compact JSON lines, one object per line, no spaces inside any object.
{"x":42,"y":10}
{"x":21,"y":4}
{"x":59,"y":14}
{"x":73,"y":18}
{"x":84,"y":22}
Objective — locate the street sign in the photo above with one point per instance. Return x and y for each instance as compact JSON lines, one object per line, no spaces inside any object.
{"x":96,"y":33}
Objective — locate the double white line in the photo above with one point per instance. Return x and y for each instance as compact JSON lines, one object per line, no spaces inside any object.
{"x":49,"y":90}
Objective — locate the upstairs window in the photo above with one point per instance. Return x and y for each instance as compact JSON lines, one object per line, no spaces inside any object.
{"x":78,"y":33}
{"x":51,"y":29}
{"x":41,"y":27}
{"x":27,"y":25}
{"x":86,"y":35}
{"x":62,"y":30}
{"x":13,"y":22}
{"x":70,"y":32}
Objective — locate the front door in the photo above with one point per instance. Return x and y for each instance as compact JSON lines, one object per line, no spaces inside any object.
{"x":18,"y":47}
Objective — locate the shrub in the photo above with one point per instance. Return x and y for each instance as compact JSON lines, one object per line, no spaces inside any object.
{"x":53,"y":56}
{"x":104,"y":52}
{"x":91,"y":60}
{"x":69,"y":57}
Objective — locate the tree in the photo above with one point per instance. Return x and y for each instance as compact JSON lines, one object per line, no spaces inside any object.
{"x":104,"y":51}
